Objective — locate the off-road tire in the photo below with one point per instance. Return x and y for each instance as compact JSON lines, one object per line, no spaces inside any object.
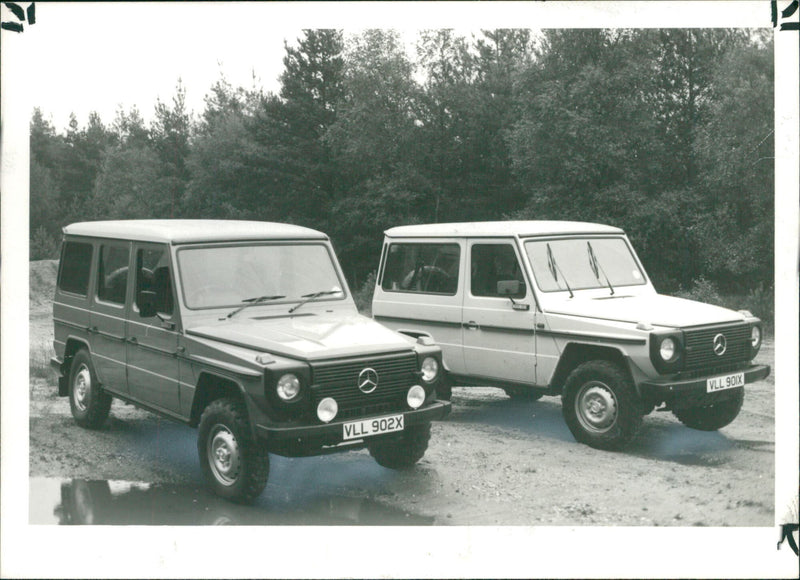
{"x":714,"y":416}
{"x":523,"y":393}
{"x":235,"y":465}
{"x":403,"y":452}
{"x":89,"y":403}
{"x":600,"y":405}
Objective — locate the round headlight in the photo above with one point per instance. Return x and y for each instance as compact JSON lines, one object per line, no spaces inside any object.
{"x":755,"y":337}
{"x":667,"y":349}
{"x":430,"y":368}
{"x":327,"y":409}
{"x":415,"y":397}
{"x":288,"y":387}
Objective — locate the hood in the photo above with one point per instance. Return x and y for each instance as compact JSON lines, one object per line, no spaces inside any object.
{"x":657,"y":309}
{"x":307,"y":337}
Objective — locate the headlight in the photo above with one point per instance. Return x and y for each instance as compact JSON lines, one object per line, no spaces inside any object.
{"x":755,"y":337}
{"x":288,"y":387}
{"x":430,"y":368}
{"x":667,"y":349}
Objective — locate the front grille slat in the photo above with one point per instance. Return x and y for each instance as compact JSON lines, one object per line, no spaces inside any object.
{"x":700,"y":346}
{"x":339,"y":380}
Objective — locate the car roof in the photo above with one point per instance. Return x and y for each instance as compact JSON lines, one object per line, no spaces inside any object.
{"x":190,"y":231}
{"x":528,"y":228}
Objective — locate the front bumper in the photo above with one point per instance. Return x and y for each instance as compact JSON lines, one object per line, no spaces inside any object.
{"x":311,"y":439}
{"x":668,"y":390}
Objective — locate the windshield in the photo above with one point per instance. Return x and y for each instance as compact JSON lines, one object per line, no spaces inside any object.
{"x":225,"y":276}
{"x":558,"y":263}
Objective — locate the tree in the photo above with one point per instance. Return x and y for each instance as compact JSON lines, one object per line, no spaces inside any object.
{"x":170,"y":134}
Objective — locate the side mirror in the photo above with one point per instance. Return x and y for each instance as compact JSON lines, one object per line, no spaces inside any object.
{"x":509,"y":287}
{"x":146,"y":301}
{"x":512,"y":288}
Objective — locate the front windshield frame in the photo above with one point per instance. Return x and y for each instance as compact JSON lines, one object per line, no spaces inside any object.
{"x":336,"y":270}
{"x":575,"y":284}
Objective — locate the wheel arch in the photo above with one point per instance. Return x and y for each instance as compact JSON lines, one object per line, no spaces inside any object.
{"x":210,"y":387}
{"x":576,"y":353}
{"x":72,"y":346}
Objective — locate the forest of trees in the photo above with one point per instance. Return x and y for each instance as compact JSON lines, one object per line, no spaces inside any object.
{"x":665,"y":133}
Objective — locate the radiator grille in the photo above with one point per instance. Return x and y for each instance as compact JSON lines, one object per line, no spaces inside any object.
{"x":396,"y":373}
{"x":700,"y":346}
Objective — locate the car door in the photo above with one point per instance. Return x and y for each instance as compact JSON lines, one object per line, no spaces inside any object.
{"x":152,"y":342}
{"x":498,"y":314}
{"x":107,"y":324}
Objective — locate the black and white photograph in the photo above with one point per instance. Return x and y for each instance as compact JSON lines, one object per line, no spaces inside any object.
{"x":400,"y":289}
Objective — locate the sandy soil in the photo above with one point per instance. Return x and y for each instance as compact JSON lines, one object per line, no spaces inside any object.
{"x":493,"y":461}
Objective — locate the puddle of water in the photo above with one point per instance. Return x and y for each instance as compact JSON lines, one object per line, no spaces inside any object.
{"x":104,"y":502}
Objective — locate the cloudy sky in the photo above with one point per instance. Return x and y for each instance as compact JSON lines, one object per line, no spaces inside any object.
{"x":87,"y":57}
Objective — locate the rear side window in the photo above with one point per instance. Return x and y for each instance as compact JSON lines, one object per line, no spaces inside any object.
{"x":112,"y":279}
{"x":422,"y":268}
{"x":76,"y":264}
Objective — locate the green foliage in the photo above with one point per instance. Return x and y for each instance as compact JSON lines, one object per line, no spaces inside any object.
{"x":665,"y":133}
{"x":363,"y":296}
{"x":702,"y":290}
{"x":44,"y":246}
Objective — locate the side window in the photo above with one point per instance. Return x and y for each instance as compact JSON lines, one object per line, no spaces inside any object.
{"x":423,"y":268}
{"x":495,"y":271}
{"x":153,"y":275}
{"x":76,"y":264}
{"x":112,"y":277}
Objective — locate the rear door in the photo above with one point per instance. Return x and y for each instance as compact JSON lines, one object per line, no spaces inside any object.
{"x":499,"y":340}
{"x":153,"y":341}
{"x":420,"y":290}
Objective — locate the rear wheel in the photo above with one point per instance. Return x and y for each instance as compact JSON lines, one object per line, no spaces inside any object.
{"x":235,"y":465}
{"x":600,"y":405}
{"x":88,"y":402}
{"x":714,"y":416}
{"x":403,"y":452}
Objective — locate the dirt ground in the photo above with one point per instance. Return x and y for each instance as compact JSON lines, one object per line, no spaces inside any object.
{"x":492,"y":461}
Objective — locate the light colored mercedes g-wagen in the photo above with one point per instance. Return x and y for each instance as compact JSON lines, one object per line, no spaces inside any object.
{"x":245,"y":330}
{"x":566,"y":308}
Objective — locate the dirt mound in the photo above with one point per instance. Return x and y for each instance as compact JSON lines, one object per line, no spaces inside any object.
{"x":42,"y":283}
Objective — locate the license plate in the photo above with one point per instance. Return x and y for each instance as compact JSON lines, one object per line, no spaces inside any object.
{"x":369,"y":427}
{"x":726,"y":382}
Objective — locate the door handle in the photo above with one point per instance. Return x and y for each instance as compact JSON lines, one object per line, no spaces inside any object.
{"x":471,"y":325}
{"x":132,"y":340}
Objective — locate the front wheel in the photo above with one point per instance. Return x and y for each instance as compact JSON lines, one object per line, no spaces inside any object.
{"x":600,"y":405}
{"x":714,"y":416}
{"x":87,"y":401}
{"x":404,"y":452}
{"x":235,"y":465}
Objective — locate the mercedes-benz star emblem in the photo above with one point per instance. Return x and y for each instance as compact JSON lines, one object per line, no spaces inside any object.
{"x":720,"y":344}
{"x":367,"y":380}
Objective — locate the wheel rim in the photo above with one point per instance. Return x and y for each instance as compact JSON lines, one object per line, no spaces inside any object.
{"x":82,"y":387}
{"x":223,"y":455}
{"x":596,"y":407}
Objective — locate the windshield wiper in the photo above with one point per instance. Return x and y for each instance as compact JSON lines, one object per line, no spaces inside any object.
{"x":553,"y":265}
{"x":597,"y":269}
{"x":252,"y":302}
{"x":313,"y":296}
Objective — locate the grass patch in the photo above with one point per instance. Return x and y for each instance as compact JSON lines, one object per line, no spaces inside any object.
{"x":39,"y":363}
